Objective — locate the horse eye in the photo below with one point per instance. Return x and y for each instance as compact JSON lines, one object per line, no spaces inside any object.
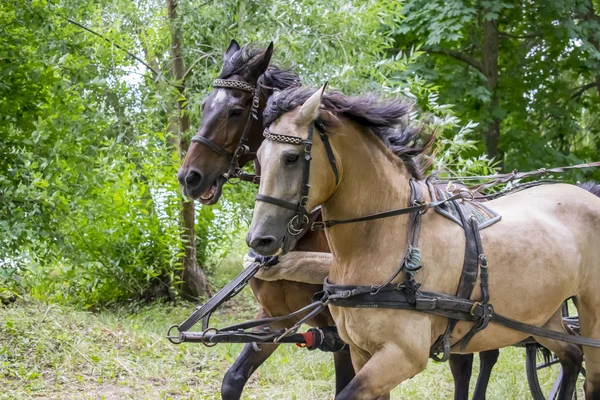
{"x":291,"y":158}
{"x":236,"y":112}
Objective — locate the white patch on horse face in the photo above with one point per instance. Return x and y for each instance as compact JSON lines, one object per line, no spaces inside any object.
{"x":220,"y":97}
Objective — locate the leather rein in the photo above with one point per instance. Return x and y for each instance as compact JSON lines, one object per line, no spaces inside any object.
{"x":234,"y":171}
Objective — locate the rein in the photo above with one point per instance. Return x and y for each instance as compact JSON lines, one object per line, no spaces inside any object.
{"x":233,"y":171}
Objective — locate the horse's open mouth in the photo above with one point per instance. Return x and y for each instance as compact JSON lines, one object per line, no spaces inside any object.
{"x":213,"y":193}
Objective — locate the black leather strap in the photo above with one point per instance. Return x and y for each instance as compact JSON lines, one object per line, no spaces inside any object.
{"x":214,"y":147}
{"x":277,"y":202}
{"x":395,"y":297}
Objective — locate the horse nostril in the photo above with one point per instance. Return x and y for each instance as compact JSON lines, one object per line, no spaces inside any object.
{"x":181,"y":176}
{"x":193,"y":179}
{"x":265,"y":245}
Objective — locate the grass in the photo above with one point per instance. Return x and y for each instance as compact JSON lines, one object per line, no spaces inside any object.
{"x":56,"y":352}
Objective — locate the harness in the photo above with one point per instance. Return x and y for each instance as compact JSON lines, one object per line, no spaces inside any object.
{"x":233,"y":170}
{"x":407,"y":294}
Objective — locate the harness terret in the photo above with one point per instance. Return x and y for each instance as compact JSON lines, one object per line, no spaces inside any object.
{"x":234,"y":171}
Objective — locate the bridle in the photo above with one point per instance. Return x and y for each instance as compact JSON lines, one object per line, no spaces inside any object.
{"x":233,"y":171}
{"x":301,"y":220}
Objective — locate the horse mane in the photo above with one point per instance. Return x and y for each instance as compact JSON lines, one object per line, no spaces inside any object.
{"x":591,"y":186}
{"x":247,"y":58}
{"x":386,"y":119}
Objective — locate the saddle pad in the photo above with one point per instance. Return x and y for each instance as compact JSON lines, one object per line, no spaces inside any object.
{"x":484,"y":215}
{"x":298,"y":266}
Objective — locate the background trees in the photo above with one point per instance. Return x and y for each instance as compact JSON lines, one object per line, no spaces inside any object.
{"x":93,"y":122}
{"x":528,"y":72}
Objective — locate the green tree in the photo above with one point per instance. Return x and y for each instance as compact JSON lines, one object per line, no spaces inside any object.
{"x":522,"y":70}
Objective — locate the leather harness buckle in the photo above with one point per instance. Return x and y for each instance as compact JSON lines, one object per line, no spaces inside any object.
{"x":475,"y":305}
{"x":318,"y":226}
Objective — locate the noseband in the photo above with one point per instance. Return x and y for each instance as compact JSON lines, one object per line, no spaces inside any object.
{"x":301,"y":220}
{"x":242,"y":145}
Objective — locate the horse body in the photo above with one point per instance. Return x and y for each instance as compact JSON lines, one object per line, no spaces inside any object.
{"x":545,"y":250}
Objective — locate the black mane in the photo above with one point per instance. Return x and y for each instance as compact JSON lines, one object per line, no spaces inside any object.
{"x":592,"y":187}
{"x":247,"y":58}
{"x":386,"y":119}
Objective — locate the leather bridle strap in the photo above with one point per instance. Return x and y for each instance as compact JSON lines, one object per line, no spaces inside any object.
{"x":277,"y":202}
{"x":301,"y":220}
{"x":319,"y":226}
{"x":241,"y":147}
{"x":214,"y":147}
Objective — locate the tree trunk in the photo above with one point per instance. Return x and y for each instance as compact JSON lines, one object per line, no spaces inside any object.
{"x":490,"y":70}
{"x":593,"y":39}
{"x":195,"y":283}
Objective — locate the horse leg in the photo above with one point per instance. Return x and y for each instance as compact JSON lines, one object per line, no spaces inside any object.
{"x":247,"y":362}
{"x":251,"y":357}
{"x":379,"y":374}
{"x":487,"y":360}
{"x":569,"y":355}
{"x":461,"y":366}
{"x":344,"y":371}
{"x":589,"y":321}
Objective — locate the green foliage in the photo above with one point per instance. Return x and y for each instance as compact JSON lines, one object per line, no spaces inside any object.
{"x":548,"y":60}
{"x":89,"y":203}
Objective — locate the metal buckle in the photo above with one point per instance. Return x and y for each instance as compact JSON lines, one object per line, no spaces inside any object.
{"x":308,"y":147}
{"x":475,"y":305}
{"x":483,"y":263}
{"x":318,"y":226}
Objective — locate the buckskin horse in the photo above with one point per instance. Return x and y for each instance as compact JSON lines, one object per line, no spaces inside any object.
{"x":545,"y":249}
{"x":227,"y":119}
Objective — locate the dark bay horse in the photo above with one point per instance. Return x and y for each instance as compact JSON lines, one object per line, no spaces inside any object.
{"x":226,"y":117}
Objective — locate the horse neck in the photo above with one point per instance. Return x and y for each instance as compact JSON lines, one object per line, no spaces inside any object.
{"x":373,"y":180}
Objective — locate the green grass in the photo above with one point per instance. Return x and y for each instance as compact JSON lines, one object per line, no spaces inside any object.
{"x":56,"y":352}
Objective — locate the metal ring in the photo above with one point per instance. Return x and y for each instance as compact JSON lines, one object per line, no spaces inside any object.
{"x":296,"y":231}
{"x":450,"y":187}
{"x":205,"y":332}
{"x":174,"y":339}
{"x":468,"y":192}
{"x":234,"y":180}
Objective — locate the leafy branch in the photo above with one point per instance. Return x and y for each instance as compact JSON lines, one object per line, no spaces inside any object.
{"x":79,"y":25}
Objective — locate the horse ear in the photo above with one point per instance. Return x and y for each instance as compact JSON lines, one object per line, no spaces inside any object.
{"x":263,"y":64}
{"x":310,"y":109}
{"x":233,"y":47}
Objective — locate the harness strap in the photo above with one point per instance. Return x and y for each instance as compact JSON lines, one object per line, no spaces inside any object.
{"x":329,"y":151}
{"x":319,"y":226}
{"x":277,"y":202}
{"x":211,"y":145}
{"x":398,"y":297}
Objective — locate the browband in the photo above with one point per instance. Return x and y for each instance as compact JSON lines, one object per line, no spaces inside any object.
{"x":232,"y":84}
